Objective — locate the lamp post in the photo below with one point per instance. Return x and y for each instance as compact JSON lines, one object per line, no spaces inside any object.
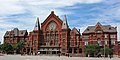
{"x":104,"y":48}
{"x":105,"y":42}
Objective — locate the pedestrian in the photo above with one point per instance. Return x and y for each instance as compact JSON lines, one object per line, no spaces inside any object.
{"x":38,"y":53}
{"x":59,"y":55}
{"x":110,"y":56}
{"x":68,"y":55}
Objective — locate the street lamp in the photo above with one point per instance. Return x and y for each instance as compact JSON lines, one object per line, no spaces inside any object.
{"x":104,"y":48}
{"x":105,"y":42}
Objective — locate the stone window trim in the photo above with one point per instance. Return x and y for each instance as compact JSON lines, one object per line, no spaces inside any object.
{"x":112,"y":42}
{"x":105,"y":36}
{"x":113,"y":36}
{"x":86,"y":42}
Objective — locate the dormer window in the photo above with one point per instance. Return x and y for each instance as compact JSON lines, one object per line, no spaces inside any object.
{"x":21,"y":32}
{"x":7,"y":33}
{"x":109,"y":28}
{"x":87,"y":29}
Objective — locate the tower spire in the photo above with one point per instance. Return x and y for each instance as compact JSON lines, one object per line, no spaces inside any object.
{"x":37,"y":25}
{"x":65,"y":24}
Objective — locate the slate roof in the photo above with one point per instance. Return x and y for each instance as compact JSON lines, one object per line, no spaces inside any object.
{"x":75,"y":30}
{"x":105,"y":28}
{"x":15,"y":32}
{"x":22,"y":32}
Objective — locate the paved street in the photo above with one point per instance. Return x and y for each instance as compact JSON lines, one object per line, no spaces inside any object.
{"x":19,"y":57}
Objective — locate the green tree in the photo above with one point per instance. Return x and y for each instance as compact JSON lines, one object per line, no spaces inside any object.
{"x":20,"y":45}
{"x":92,"y":49}
{"x":0,"y":48}
{"x":7,"y":48}
{"x":106,"y":51}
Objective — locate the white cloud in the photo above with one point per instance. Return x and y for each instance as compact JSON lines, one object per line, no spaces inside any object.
{"x":10,"y":7}
{"x":60,"y":2}
{"x":38,"y":8}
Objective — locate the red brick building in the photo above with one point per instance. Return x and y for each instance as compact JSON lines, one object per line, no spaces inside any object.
{"x":54,"y":36}
{"x":15,"y":35}
{"x":119,"y":48}
{"x":104,"y":35}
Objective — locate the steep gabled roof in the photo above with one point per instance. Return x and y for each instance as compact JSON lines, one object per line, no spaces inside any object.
{"x":98,"y":23}
{"x":105,"y":28}
{"x":7,"y":33}
{"x":98,"y":26}
{"x":75,"y":30}
{"x":37,"y":25}
{"x":22,"y":32}
{"x":16,"y":32}
{"x":51,"y":15}
{"x":65,"y":24}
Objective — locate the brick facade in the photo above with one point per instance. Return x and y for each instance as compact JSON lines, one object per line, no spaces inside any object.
{"x":54,"y":36}
{"x":104,"y":35}
{"x":15,"y":35}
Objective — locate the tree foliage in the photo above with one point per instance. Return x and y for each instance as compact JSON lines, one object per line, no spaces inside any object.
{"x":106,"y":50}
{"x":9,"y":48}
{"x":92,"y":49}
{"x":21,"y":44}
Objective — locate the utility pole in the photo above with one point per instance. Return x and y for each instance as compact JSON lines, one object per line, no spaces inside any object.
{"x":104,"y":48}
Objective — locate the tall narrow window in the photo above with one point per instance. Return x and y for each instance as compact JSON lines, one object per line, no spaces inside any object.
{"x":112,"y":36}
{"x":72,"y":42}
{"x":77,"y":40}
{"x":105,"y":35}
{"x":47,"y":38}
{"x":105,"y":42}
{"x":56,"y":38}
{"x":99,"y":42}
{"x":51,"y":38}
{"x":86,"y":42}
{"x":112,"y":42}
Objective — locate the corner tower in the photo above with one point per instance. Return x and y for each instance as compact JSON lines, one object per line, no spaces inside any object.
{"x":35,"y":38}
{"x":65,"y":33}
{"x":37,"y":25}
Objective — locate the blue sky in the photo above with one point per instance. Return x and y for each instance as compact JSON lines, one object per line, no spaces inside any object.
{"x":80,"y":13}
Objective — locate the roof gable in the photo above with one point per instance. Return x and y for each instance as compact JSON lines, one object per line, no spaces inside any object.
{"x":75,"y":30}
{"x":52,"y":15}
{"x":15,"y":32}
{"x":98,"y":26}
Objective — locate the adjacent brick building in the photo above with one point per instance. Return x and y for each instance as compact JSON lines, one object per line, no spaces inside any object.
{"x":104,"y":35}
{"x":15,"y":35}
{"x":119,"y":48}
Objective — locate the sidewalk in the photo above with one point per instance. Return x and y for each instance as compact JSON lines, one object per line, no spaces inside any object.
{"x":28,"y":57}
